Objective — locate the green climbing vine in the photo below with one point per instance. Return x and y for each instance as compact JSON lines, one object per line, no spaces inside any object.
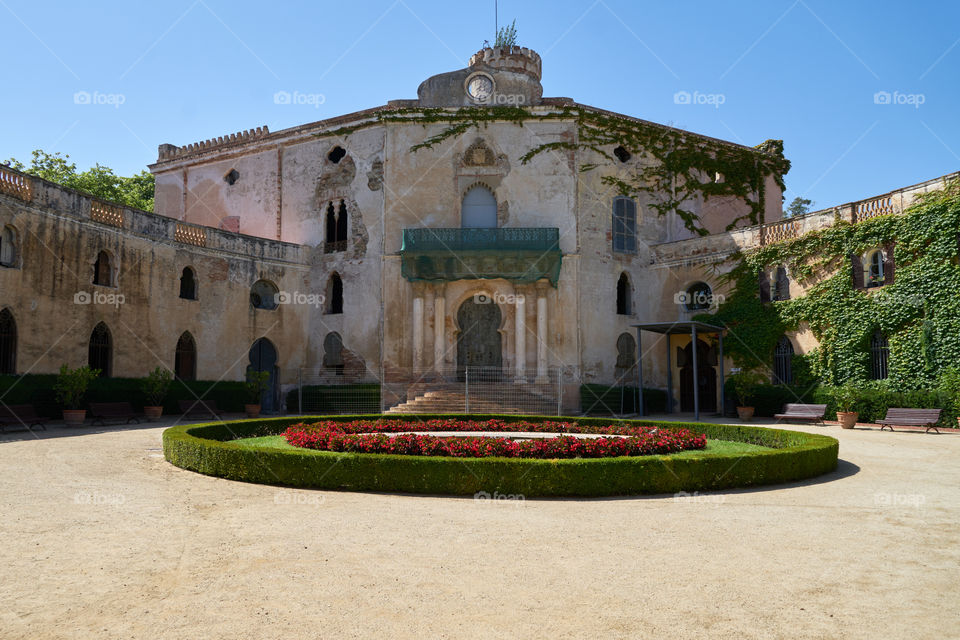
{"x":676,"y":168}
{"x":919,"y":312}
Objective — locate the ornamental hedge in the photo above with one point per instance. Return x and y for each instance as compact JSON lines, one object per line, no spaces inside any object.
{"x":793,"y":455}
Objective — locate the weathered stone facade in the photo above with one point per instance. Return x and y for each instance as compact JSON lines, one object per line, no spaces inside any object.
{"x":264,"y":205}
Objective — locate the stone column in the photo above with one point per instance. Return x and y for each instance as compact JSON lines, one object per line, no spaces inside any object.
{"x":520,"y":334}
{"x":439,"y":328}
{"x":417,"y":327}
{"x":542,"y":287}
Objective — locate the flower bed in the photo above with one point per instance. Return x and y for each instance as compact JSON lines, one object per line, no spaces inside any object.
{"x":370,"y":436}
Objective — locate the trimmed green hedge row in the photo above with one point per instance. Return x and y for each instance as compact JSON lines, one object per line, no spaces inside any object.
{"x":333,"y":399}
{"x":37,"y":389}
{"x":794,"y":455}
{"x":873,"y":401}
{"x":600,"y":399}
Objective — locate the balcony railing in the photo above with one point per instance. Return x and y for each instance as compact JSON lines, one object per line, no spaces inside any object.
{"x":524,"y":254}
{"x":500,"y":239}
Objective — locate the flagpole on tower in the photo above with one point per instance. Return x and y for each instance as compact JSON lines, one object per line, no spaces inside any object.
{"x":496,"y":18}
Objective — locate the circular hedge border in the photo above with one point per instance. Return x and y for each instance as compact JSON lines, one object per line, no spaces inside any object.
{"x":794,"y":455}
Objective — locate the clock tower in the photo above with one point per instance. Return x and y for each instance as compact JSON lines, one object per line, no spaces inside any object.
{"x":497,"y":76}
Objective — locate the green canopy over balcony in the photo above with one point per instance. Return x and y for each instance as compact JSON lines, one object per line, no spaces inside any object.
{"x":520,"y":255}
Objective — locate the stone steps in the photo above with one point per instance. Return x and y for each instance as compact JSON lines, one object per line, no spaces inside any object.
{"x":455,"y":401}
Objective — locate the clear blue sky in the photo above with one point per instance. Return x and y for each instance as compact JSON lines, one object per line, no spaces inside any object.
{"x":805,"y":71}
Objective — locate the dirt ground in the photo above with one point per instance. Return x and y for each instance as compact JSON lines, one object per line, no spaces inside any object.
{"x":102,"y":538}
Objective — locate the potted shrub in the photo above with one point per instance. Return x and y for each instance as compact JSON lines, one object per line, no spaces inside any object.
{"x":255,"y":385}
{"x":743,"y":384}
{"x":70,"y":387}
{"x":846,"y":397}
{"x":155,"y":387}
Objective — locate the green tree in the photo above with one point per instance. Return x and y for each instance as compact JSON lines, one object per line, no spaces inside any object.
{"x":98,"y":181}
{"x":798,"y":207}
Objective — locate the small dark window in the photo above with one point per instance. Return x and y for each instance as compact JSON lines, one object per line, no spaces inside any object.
{"x":8,"y":247}
{"x":333,"y":353}
{"x":783,"y":362}
{"x":622,"y":154}
{"x":335,"y":294}
{"x":232,"y":176}
{"x":185,"y":359}
{"x":879,"y":356}
{"x":623,"y":295}
{"x":336,"y":228}
{"x":8,"y":343}
{"x":624,"y":225}
{"x":699,"y":296}
{"x":188,"y":284}
{"x":101,"y":350}
{"x":336,"y":154}
{"x":781,"y":285}
{"x":102,"y":270}
{"x":263,"y":295}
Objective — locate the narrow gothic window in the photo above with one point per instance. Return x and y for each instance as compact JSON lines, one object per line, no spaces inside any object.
{"x":185,"y":359}
{"x":101,"y":350}
{"x":102,"y":271}
{"x":783,"y":362}
{"x":334,"y":294}
{"x":8,"y":247}
{"x":336,"y":228}
{"x":781,"y":284}
{"x":879,"y":356}
{"x":8,"y":343}
{"x":623,"y":295}
{"x":188,"y":284}
{"x":624,"y":225}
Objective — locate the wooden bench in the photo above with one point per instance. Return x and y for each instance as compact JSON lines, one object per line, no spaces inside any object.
{"x":202,"y":407}
{"x":103,"y":411}
{"x":916,"y":418}
{"x":21,"y":414}
{"x":800,"y":411}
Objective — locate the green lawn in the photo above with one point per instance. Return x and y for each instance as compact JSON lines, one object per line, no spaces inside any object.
{"x":723,"y":447}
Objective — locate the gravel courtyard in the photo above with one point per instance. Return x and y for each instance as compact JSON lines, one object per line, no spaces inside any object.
{"x":102,"y":538}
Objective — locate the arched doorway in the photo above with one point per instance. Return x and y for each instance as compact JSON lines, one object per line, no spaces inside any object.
{"x":707,"y":373}
{"x":478,"y":343}
{"x":100,"y":350}
{"x":263,"y":357}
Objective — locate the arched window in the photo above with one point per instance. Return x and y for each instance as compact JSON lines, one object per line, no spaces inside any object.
{"x":783,"y":362}
{"x":624,"y":225}
{"x":263,"y":295}
{"x":479,"y":210}
{"x":188,"y":284}
{"x":879,"y":356}
{"x":333,"y":352}
{"x":874,"y":268}
{"x":101,"y":350}
{"x":699,"y":296}
{"x":334,"y":294}
{"x":8,"y":342}
{"x":103,"y":270}
{"x":8,"y":247}
{"x":624,"y":307}
{"x":185,"y":359}
{"x":626,"y":355}
{"x":336,"y":228}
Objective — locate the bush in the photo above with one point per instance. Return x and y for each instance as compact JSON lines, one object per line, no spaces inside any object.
{"x":335,"y":399}
{"x":872,"y":402}
{"x":37,"y":389}
{"x":769,"y":399}
{"x":598,"y":399}
{"x":793,"y":455}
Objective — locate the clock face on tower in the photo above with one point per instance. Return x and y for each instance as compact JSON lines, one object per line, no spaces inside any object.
{"x":480,"y":87}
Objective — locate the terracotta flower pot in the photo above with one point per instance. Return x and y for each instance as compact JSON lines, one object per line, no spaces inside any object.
{"x":252,"y":410}
{"x":152,"y":413}
{"x":745,"y":413}
{"x":74,"y":417}
{"x":847,"y":419}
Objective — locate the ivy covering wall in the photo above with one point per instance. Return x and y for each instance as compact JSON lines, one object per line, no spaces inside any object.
{"x":919,"y":312}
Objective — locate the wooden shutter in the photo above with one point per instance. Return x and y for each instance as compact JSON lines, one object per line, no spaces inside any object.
{"x":764,"y":287}
{"x":856,"y":264}
{"x":889,"y":265}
